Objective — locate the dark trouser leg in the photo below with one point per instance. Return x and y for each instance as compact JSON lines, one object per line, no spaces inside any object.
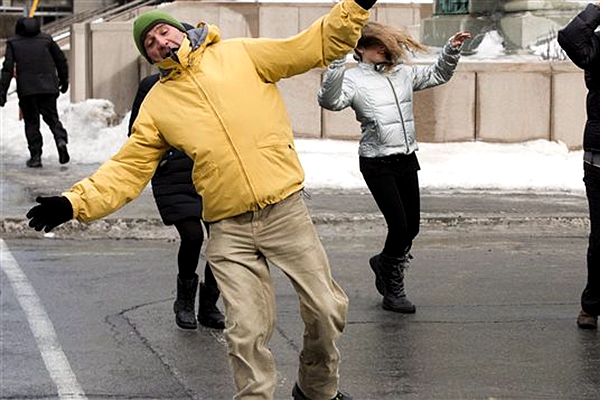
{"x":590,"y":299}
{"x":31,"y":117}
{"x":47,"y":108}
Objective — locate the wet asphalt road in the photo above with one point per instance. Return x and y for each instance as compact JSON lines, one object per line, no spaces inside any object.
{"x":496,"y":279}
{"x":496,"y":308}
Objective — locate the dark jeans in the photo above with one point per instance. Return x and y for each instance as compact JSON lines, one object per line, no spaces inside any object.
{"x":394,"y":184}
{"x":590,"y":298}
{"x":191,"y":235}
{"x":32,"y":107}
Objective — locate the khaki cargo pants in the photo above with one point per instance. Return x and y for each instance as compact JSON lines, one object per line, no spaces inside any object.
{"x":238,"y":250}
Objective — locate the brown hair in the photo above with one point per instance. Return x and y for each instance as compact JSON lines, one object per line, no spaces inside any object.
{"x":397,"y":42}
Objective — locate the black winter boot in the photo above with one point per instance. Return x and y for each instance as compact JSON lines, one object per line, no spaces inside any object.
{"x":35,"y":161}
{"x":391,"y":271}
{"x":63,"y":153}
{"x":208,"y":313}
{"x":184,"y":304}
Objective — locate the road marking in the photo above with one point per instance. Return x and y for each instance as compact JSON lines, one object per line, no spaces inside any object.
{"x":42,"y":328}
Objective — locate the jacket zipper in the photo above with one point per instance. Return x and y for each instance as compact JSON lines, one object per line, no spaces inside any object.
{"x":399,"y":112}
{"x":229,"y":140}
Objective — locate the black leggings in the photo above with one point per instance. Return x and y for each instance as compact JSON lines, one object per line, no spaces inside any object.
{"x":192,"y":236}
{"x":394,"y":184}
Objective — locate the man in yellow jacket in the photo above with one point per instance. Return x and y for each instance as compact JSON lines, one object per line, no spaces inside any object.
{"x":226,"y":113}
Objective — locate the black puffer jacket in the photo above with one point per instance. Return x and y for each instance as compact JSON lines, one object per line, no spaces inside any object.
{"x":41,"y":65}
{"x":582,"y":45}
{"x":172,"y":186}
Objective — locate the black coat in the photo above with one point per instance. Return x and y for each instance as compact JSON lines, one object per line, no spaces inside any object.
{"x":40,"y":64}
{"x":582,"y":45}
{"x":172,"y":186}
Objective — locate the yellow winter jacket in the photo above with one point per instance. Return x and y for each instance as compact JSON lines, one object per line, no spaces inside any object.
{"x":219,"y":104}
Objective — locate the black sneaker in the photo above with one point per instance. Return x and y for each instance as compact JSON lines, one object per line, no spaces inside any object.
{"x":298,"y":395}
{"x":63,"y":154}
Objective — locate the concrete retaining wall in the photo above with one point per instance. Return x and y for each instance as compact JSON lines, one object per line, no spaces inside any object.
{"x":106,"y":63}
{"x":505,"y":102}
{"x":490,"y":101}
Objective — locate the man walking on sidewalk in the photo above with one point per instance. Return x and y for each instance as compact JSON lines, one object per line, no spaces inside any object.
{"x":42,"y":71}
{"x":582,"y":45}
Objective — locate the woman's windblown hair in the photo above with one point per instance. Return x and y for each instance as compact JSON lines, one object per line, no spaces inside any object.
{"x":397,"y":42}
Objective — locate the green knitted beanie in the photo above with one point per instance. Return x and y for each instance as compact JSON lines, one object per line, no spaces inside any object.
{"x":147,"y":21}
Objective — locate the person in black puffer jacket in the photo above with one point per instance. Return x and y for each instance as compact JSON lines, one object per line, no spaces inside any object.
{"x":179,"y":204}
{"x":42,"y":71}
{"x":582,"y":44}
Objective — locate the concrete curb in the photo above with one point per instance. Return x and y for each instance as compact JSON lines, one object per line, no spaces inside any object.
{"x":153,"y":228}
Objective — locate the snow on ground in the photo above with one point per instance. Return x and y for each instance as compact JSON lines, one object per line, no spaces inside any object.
{"x":540,"y":165}
{"x":530,"y":166}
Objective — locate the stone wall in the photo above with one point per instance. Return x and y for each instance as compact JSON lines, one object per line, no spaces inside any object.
{"x":106,"y":63}
{"x":490,"y":101}
{"x":80,"y":6}
{"x":505,"y":102}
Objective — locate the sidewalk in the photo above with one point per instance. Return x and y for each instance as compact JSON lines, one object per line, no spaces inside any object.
{"x":19,"y":186}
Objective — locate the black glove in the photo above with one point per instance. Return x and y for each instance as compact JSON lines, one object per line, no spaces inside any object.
{"x":63,"y":87}
{"x":2,"y":99}
{"x":51,"y":212}
{"x":366,"y":4}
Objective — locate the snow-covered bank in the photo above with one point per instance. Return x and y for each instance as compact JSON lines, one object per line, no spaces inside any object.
{"x":540,"y":165}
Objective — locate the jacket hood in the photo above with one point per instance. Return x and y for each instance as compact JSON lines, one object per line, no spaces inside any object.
{"x":27,"y":27}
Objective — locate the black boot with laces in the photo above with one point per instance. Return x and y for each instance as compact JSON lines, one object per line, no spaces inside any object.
{"x":391,"y":274}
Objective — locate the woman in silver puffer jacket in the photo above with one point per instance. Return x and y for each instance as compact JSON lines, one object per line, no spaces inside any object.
{"x":380,"y":90}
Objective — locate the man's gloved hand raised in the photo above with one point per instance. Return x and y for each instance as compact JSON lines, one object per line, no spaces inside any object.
{"x":366,"y":4}
{"x":51,"y":212}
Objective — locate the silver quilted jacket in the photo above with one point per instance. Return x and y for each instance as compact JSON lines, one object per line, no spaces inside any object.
{"x":383,"y":101}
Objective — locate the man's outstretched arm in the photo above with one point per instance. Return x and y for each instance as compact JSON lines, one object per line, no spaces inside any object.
{"x":117,"y":182}
{"x":327,"y":39}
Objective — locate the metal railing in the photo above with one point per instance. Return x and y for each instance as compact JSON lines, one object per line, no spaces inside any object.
{"x":47,"y":8}
{"x":63,"y":25}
